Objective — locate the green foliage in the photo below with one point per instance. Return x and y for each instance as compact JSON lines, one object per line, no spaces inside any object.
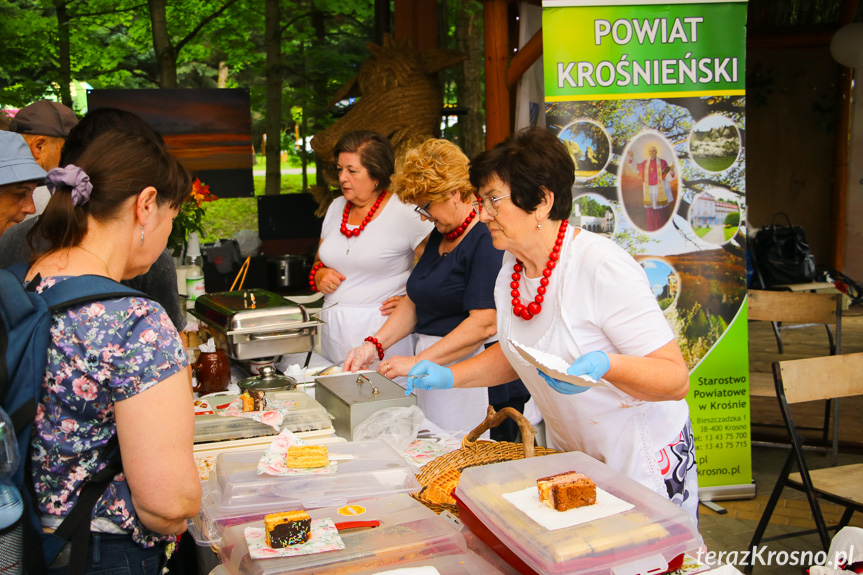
{"x":590,"y":207}
{"x":227,"y":216}
{"x":732,"y":219}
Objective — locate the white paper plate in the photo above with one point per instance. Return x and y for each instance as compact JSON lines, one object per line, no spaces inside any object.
{"x":304,"y":299}
{"x":552,"y":365}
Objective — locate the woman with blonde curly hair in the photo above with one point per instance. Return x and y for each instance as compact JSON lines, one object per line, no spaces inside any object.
{"x":450,"y":293}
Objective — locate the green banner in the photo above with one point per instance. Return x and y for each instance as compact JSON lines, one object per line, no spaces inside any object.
{"x":650,"y":101}
{"x":641,"y":51}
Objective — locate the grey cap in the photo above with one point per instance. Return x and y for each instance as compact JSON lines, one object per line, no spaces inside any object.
{"x":44,"y":118}
{"x":16,"y":161}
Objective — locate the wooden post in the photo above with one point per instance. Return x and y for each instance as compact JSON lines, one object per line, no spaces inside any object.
{"x":839,"y":200}
{"x":417,"y":20}
{"x":497,"y":53}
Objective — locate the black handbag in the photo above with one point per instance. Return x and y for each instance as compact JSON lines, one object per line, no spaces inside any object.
{"x":782,"y":254}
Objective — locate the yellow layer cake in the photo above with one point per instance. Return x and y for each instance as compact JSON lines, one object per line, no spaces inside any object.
{"x":307,"y":456}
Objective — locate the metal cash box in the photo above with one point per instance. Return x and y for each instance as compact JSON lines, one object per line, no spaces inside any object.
{"x":254,"y":323}
{"x":351,"y":398}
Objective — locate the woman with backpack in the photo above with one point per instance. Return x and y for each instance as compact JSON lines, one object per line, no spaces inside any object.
{"x":116,"y":366}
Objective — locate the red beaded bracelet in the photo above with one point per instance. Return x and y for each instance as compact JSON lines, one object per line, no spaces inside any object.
{"x":374,"y":341}
{"x":315,"y":269}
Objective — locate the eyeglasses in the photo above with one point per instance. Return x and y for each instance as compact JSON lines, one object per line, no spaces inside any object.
{"x":424,"y":211}
{"x":489,"y":204}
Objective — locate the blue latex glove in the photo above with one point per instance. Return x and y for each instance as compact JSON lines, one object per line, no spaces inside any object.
{"x":562,"y":386}
{"x":593,"y":363}
{"x":434,"y":377}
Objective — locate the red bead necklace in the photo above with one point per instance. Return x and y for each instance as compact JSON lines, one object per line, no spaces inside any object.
{"x":463,"y":226}
{"x":356,"y":232}
{"x":527,"y":312}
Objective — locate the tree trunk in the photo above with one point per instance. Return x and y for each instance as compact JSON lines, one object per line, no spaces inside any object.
{"x":166,"y":57}
{"x":469,"y":39}
{"x":223,"y":75}
{"x":273,"y":43}
{"x":319,"y":88}
{"x":63,"y":52}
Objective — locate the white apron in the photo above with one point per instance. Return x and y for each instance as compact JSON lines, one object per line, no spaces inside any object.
{"x":603,"y":422}
{"x":456,"y":409}
{"x":347,"y":326}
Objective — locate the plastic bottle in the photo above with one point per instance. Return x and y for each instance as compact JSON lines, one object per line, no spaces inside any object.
{"x":195,"y":273}
{"x":11,"y":504}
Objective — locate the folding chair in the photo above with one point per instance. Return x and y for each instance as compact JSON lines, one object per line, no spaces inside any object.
{"x":828,"y":377}
{"x":800,"y":309}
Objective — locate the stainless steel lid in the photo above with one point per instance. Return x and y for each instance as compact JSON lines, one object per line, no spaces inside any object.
{"x":268,"y":380}
{"x":361,"y":387}
{"x":249,"y":310}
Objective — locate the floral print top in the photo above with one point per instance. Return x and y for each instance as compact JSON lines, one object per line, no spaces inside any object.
{"x":100,"y":353}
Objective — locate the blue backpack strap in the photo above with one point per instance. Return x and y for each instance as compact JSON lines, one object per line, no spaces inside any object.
{"x":83,"y":289}
{"x":15,"y":301}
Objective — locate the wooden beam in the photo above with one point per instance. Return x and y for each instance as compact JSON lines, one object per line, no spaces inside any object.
{"x":417,"y":20}
{"x":524,"y":59}
{"x":382,"y":20}
{"x":497,"y":96}
{"x":838,"y":205}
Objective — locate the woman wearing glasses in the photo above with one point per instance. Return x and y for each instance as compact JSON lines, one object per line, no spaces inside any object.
{"x":369,"y":241}
{"x":579,"y":296}
{"x":450,"y":293}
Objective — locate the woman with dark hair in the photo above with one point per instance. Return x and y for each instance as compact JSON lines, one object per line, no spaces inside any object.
{"x":115,"y":367}
{"x":160,"y":281}
{"x":579,"y":296}
{"x":369,"y":240}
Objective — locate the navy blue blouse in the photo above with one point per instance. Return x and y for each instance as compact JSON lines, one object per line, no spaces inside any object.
{"x":445,"y":288}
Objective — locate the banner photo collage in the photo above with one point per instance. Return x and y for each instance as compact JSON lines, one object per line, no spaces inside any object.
{"x":650,"y":101}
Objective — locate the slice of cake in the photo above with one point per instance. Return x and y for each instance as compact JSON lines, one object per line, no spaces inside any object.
{"x":307,"y":456}
{"x":288,"y":528}
{"x":566,"y":490}
{"x":253,"y":400}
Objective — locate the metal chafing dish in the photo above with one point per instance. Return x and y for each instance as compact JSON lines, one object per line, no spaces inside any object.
{"x":254,"y":323}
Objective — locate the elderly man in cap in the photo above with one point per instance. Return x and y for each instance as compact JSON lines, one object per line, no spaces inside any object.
{"x":19,"y":176}
{"x":45,"y":126}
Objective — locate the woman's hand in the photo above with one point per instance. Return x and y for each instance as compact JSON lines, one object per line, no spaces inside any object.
{"x":429,"y":375}
{"x":397,"y":366}
{"x":562,"y":386}
{"x":390,"y":304}
{"x":327,"y":280}
{"x":361,"y":357}
{"x":594,"y":364}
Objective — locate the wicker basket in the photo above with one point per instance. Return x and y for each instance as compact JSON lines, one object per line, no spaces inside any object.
{"x":439,"y":477}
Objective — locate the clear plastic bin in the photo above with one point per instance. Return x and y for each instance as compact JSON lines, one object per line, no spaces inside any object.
{"x":306,"y":419}
{"x":646,"y":539}
{"x":236,"y":494}
{"x":468,"y":563}
{"x":408,"y":533}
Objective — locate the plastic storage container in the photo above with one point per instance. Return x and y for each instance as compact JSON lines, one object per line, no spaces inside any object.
{"x":307,"y":418}
{"x":236,"y":494}
{"x":650,"y":538}
{"x":408,"y":533}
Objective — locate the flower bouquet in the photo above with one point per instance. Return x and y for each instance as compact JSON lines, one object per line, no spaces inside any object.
{"x":189,"y":218}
